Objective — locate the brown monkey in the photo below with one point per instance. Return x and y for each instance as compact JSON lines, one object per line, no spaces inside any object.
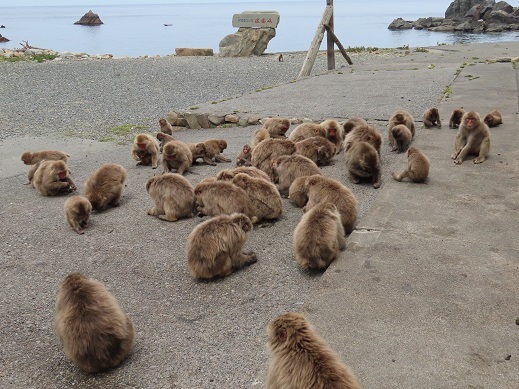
{"x":297,"y":192}
{"x":473,"y":137}
{"x":51,"y":178}
{"x":244,"y":158}
{"x":228,"y":174}
{"x":165,"y":127}
{"x":198,"y":150}
{"x":163,"y":139}
{"x":301,"y":359}
{"x":173,"y":196}
{"x":105,"y":186}
{"x":29,"y":158}
{"x":402,"y":117}
{"x":318,"y":149}
{"x":350,"y":124}
{"x":77,"y":211}
{"x":417,"y":166}
{"x":270,"y":149}
{"x":176,"y":155}
{"x":363,"y":161}
{"x":431,"y":117}
{"x":400,"y":138}
{"x":287,"y":168}
{"x":364,"y":133}
{"x":455,"y":119}
{"x":273,"y":128}
{"x":146,"y":150}
{"x":334,"y":133}
{"x":317,"y":250}
{"x":280,"y":58}
{"x":493,"y":119}
{"x":214,"y":247}
{"x":264,"y":195}
{"x":95,"y":332}
{"x":222,"y":197}
{"x":306,"y":130}
{"x":214,"y":148}
{"x":31,"y":171}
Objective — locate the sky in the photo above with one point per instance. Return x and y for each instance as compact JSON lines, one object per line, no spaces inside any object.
{"x":9,"y":3}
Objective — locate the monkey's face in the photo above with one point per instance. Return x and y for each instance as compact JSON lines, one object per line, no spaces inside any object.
{"x":62,"y":175}
{"x":399,"y":118}
{"x":160,"y":136}
{"x":162,"y":122}
{"x":141,"y":146}
{"x":471,"y":122}
{"x":246,"y":149}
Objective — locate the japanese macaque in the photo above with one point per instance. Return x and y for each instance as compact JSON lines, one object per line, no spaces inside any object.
{"x":51,"y":178}
{"x":301,"y":359}
{"x":287,"y":168}
{"x":364,"y":133}
{"x":95,"y":332}
{"x":273,"y":128}
{"x":313,"y":250}
{"x":280,"y":58}
{"x":297,"y":192}
{"x":77,"y":211}
{"x":417,"y":166}
{"x":146,"y":150}
{"x":198,"y":150}
{"x":244,"y":158}
{"x":31,"y":171}
{"x":320,"y":189}
{"x":402,"y":117}
{"x":163,"y":139}
{"x":270,"y":149}
{"x":350,"y":124}
{"x":222,"y":197}
{"x":264,"y":196}
{"x":473,"y":137}
{"x":431,"y":117}
{"x":400,"y":138}
{"x":455,"y":119}
{"x":177,"y":156}
{"x":228,"y":174}
{"x":318,"y":149}
{"x":214,"y":247}
{"x":104,"y":187}
{"x":214,"y":148}
{"x":334,"y":133}
{"x":165,"y":127}
{"x":306,"y":130}
{"x":363,"y":162}
{"x":173,"y":196}
{"x":493,"y":119}
{"x":29,"y":158}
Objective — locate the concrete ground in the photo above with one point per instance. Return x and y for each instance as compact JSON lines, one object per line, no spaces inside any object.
{"x":425,"y":295}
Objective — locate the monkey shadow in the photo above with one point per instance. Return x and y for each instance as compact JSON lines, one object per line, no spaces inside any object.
{"x":311,"y":273}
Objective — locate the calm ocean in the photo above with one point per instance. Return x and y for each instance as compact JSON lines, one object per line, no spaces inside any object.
{"x":135,"y":30}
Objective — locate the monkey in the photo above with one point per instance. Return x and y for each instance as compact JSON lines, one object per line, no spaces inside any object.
{"x":146,"y":150}
{"x":493,"y":119}
{"x":163,"y":139}
{"x":364,"y":133}
{"x":176,"y":155}
{"x":455,"y":119}
{"x":417,"y":166}
{"x":244,"y":158}
{"x":402,"y":117}
{"x":214,"y":247}
{"x":273,"y":128}
{"x":431,"y":117}
{"x":96,"y":334}
{"x":29,"y":158}
{"x":31,"y":171}
{"x":318,"y":149}
{"x":334,"y":132}
{"x":350,"y":124}
{"x":287,"y":168}
{"x":306,"y":130}
{"x":313,"y":250}
{"x":400,"y":138}
{"x":297,"y":192}
{"x":77,"y":211}
{"x":222,"y":197}
{"x":51,"y":178}
{"x":301,"y":359}
{"x":228,"y":174}
{"x":264,"y":196}
{"x":363,"y":161}
{"x":105,"y":186}
{"x":173,"y":196}
{"x":280,"y":58}
{"x":214,"y":148}
{"x":268,"y":150}
{"x":473,"y":137}
{"x":198,"y":150}
{"x":165,"y":127}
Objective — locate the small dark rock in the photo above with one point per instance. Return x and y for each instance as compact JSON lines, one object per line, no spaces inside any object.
{"x":89,"y":19}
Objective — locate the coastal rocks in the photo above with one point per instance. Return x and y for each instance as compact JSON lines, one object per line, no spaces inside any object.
{"x":459,"y":8}
{"x":89,"y":19}
{"x":246,"y":42}
{"x":3,"y":39}
{"x":195,"y":121}
{"x":187,"y":52}
{"x":400,"y":24}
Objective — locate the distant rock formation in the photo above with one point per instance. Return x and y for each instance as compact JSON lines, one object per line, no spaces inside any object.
{"x":89,"y":19}
{"x":475,"y":16}
{"x":189,"y":52}
{"x":3,"y":39}
{"x":246,"y":42}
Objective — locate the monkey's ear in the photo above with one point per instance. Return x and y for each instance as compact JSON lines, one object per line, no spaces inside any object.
{"x":348,"y":146}
{"x":281,"y":335}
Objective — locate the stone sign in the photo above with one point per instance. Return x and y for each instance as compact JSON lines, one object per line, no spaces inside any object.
{"x":256,"y":19}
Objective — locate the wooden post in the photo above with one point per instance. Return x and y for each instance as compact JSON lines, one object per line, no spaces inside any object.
{"x":330,"y":53}
{"x":338,"y":43}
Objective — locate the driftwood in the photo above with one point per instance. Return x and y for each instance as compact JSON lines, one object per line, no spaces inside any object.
{"x":26,"y":46}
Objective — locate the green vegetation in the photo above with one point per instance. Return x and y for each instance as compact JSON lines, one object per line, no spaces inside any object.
{"x":263,"y":88}
{"x":421,"y":50}
{"x":195,"y":107}
{"x":107,"y":138}
{"x":404,"y":47}
{"x":29,"y":57}
{"x":431,"y":66}
{"x":360,"y":49}
{"x":447,"y":92}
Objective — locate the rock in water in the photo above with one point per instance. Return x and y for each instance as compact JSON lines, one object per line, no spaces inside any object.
{"x":90,"y":19}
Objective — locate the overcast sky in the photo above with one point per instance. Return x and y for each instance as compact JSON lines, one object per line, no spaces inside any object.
{"x":7,"y":3}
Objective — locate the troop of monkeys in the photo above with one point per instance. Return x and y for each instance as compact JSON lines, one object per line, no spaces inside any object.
{"x":96,"y":333}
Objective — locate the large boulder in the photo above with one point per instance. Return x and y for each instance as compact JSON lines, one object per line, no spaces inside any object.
{"x":400,"y":24}
{"x":459,"y":8}
{"x":503,"y":6}
{"x":3,"y":39}
{"x":90,"y":19}
{"x":246,"y":42}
